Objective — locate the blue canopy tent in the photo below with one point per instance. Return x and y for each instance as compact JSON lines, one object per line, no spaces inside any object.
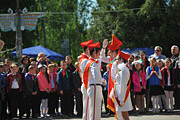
{"x":149,"y":51}
{"x":136,"y":51}
{"x":34,"y":51}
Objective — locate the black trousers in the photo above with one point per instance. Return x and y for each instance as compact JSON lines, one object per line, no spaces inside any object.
{"x":16,"y":99}
{"x":105,"y":94}
{"x":4,"y":107}
{"x":53,"y":102}
{"x":66,"y":102}
{"x":177,"y":98}
{"x":32,"y":102}
{"x":72,"y":103}
{"x":79,"y":103}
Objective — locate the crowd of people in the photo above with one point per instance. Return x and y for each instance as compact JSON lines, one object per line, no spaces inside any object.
{"x":125,"y":81}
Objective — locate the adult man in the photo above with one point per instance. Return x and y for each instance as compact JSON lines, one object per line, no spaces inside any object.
{"x":93,"y":82}
{"x":175,"y":54}
{"x":157,"y":54}
{"x":120,"y":74}
{"x":175,"y":63}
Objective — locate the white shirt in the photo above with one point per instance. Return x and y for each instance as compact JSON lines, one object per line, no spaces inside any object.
{"x":15,"y":84}
{"x":169,"y":81}
{"x":113,"y":70}
{"x":82,"y":66}
{"x":95,"y":74}
{"x":52,"y":81}
{"x":103,"y":58}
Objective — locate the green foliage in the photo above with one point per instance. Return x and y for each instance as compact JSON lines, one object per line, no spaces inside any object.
{"x":155,"y":23}
{"x":137,"y":23}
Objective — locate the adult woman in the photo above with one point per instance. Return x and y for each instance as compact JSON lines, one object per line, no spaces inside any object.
{"x":41,"y":58}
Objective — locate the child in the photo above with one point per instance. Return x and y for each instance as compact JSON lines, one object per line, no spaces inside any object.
{"x":162,"y":101}
{"x":2,"y":87}
{"x":30,"y":91}
{"x":65,"y":87}
{"x":44,"y":87}
{"x":160,"y":63}
{"x":53,"y":96}
{"x":153,"y":73}
{"x":106,"y":77}
{"x":168,"y":83}
{"x":139,"y":85}
{"x":13,"y":89}
{"x":77,"y":89}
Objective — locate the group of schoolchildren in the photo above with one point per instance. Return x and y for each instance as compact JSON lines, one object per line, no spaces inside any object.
{"x":156,"y":81}
{"x":34,"y":87}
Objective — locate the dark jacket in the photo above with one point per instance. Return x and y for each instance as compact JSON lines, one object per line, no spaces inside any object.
{"x":30,"y":84}
{"x":165,"y":76}
{"x":10,"y":78}
{"x":71,"y":68}
{"x":175,"y":58}
{"x":177,"y":73}
{"x":2,"y":82}
{"x":64,"y":82}
{"x":76,"y":80}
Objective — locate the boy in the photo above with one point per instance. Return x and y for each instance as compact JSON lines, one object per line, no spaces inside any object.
{"x":53,"y":96}
{"x":65,"y":87}
{"x":13,"y":89}
{"x":30,"y":91}
{"x":77,"y":89}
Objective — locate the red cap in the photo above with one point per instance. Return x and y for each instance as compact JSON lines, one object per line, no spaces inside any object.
{"x":86,"y":43}
{"x":95,"y":45}
{"x":123,"y":55}
{"x":115,"y":43}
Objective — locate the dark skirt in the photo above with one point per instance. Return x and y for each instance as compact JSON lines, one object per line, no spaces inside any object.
{"x":156,"y":90}
{"x":169,"y":88}
{"x":43,"y":95}
{"x":140,"y":93}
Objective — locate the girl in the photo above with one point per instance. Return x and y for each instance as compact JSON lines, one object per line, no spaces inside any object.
{"x":139,"y":85}
{"x":162,"y":101}
{"x":145,"y":64}
{"x":44,"y":87}
{"x":153,"y":74}
{"x":168,"y":83}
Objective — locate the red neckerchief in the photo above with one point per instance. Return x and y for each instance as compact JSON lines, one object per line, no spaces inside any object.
{"x":70,"y":67}
{"x":64,"y":72}
{"x":83,"y":56}
{"x":76,"y":70}
{"x":41,"y":73}
{"x":167,"y":70}
{"x":144,"y":63}
{"x":93,"y":60}
{"x":152,"y":67}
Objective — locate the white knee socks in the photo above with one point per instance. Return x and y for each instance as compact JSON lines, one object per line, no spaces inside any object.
{"x":44,"y":105}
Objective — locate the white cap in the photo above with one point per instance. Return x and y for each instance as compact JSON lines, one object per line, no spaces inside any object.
{"x":137,"y":61}
{"x":41,"y":65}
